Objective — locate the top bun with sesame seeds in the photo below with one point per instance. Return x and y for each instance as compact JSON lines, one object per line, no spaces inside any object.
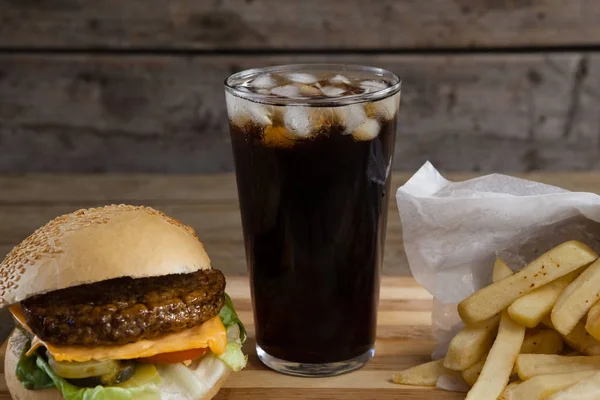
{"x":99,"y":244}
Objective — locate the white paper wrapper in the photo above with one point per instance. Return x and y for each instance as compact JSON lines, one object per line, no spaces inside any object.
{"x":453,"y":231}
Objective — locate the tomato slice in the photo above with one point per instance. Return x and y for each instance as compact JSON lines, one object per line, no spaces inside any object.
{"x":174,"y":357}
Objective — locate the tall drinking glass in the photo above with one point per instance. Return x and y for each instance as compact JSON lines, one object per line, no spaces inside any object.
{"x":313,"y":148}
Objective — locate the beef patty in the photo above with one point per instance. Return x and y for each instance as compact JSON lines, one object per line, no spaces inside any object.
{"x":125,"y":310}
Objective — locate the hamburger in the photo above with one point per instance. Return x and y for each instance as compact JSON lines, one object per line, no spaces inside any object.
{"x":118,"y":302}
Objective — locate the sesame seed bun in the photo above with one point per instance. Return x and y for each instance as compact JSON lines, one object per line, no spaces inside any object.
{"x":98,"y":244}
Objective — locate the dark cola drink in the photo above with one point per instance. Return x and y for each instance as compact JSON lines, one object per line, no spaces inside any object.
{"x":313,"y":148}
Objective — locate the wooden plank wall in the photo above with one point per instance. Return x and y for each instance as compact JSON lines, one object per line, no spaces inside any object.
{"x":136,"y":86}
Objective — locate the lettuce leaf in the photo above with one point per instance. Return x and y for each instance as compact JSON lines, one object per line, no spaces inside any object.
{"x":29,"y":374}
{"x":234,"y":357}
{"x":230,"y":317}
{"x":148,"y":391}
{"x":236,"y":336}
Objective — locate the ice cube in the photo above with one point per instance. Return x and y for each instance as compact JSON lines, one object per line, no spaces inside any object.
{"x":351,"y":117}
{"x":368,"y":130}
{"x":332,"y":91}
{"x":242,"y":111}
{"x":286,"y":91}
{"x":277,"y":136}
{"x":386,"y":108}
{"x":264,"y":81}
{"x":373,"y":86}
{"x":303,"y":121}
{"x":298,"y":120}
{"x":340,"y":79}
{"x":299,"y":77}
{"x":309,"y":91}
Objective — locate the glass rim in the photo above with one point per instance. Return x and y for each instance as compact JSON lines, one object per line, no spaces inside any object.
{"x":269,"y":99}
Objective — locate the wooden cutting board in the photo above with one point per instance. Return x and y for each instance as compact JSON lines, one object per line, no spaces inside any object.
{"x":403,"y":340}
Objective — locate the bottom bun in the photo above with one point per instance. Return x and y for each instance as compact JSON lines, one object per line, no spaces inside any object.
{"x":18,"y":392}
{"x":170,"y":388}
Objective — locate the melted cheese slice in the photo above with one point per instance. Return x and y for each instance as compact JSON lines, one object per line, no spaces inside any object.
{"x":209,"y":334}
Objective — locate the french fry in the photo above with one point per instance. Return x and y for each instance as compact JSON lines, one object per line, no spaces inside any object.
{"x":592,"y":324}
{"x":473,"y":342}
{"x":501,"y":270}
{"x":499,"y":363}
{"x":530,"y":309}
{"x":531,"y":365}
{"x":545,"y":341}
{"x":588,"y":389}
{"x":422,"y":375}
{"x":550,"y":266}
{"x":542,"y":386}
{"x":509,"y":388}
{"x":471,"y":374}
{"x":577,"y":299}
{"x":578,"y":339}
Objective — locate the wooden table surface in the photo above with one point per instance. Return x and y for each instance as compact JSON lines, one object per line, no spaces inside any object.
{"x":209,"y":203}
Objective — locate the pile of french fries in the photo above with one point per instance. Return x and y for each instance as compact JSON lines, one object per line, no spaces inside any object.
{"x":533,"y":334}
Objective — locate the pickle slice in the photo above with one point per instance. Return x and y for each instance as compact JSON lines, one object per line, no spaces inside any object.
{"x":125,"y":372}
{"x":78,"y":370}
{"x":144,"y":374}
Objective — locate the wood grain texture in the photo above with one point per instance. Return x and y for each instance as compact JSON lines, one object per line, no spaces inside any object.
{"x":309,"y":24}
{"x":323,"y":394}
{"x":394,"y":352}
{"x":207,"y":202}
{"x":214,"y":214}
{"x":198,"y":189}
{"x":61,"y":113}
{"x":2,"y":353}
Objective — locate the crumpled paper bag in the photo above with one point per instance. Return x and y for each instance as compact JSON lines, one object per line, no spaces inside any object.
{"x":453,"y":231}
